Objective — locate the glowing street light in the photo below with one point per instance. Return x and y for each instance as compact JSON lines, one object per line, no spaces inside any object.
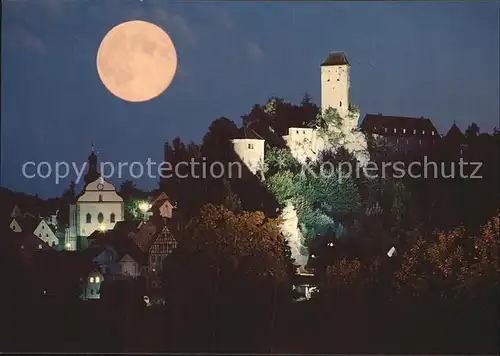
{"x":144,"y":206}
{"x":102,"y":228}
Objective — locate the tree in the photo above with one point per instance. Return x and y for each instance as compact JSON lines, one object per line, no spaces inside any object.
{"x":472,"y":131}
{"x":231,"y":266}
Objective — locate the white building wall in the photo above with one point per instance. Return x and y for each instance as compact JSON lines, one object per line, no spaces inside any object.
{"x":335,"y":88}
{"x":92,"y":286}
{"x":85,"y":229}
{"x":45,"y":233}
{"x":251,"y":152}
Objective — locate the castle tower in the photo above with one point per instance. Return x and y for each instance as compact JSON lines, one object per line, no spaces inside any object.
{"x":335,"y":83}
{"x":251,"y":152}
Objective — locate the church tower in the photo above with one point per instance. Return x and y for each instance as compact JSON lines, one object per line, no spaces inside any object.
{"x":335,"y":83}
{"x":92,"y":173}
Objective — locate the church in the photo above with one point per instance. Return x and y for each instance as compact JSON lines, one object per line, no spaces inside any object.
{"x":98,"y":207}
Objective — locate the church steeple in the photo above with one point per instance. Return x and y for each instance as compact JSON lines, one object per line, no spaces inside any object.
{"x":92,"y":173}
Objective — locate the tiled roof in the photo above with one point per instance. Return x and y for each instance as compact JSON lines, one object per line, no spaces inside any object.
{"x":455,"y":134}
{"x":335,"y":59}
{"x":372,"y":123}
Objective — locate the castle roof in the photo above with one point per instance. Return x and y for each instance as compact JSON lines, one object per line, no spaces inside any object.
{"x":373,"y":122}
{"x":455,"y":134}
{"x":335,"y":59}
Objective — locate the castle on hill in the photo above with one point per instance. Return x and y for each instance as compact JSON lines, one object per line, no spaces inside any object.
{"x":306,"y":143}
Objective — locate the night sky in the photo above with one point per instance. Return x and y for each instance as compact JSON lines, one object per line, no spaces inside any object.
{"x":438,"y":60}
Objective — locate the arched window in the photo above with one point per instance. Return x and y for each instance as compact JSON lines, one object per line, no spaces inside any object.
{"x":89,"y":218}
{"x":100,"y":217}
{"x":100,"y":197}
{"x":112,"y":217}
{"x":340,"y":104}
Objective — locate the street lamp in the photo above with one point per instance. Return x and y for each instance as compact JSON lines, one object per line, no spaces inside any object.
{"x":144,"y":206}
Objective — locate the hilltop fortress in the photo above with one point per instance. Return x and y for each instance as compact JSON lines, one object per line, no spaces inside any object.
{"x":306,"y":144}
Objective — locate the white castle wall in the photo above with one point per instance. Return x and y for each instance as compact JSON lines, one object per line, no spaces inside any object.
{"x":250,"y":151}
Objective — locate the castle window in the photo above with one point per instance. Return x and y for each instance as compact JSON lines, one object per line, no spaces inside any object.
{"x":433,"y":133}
{"x":420,"y":142}
{"x":304,"y":132}
{"x":97,"y":279}
{"x":423,"y":132}
{"x":414,"y":132}
{"x":395,"y":130}
{"x":112,"y":217}
{"x":100,"y":217}
{"x":89,"y":218}
{"x":43,"y":226}
{"x":100,"y":197}
{"x":297,"y":131}
{"x":39,"y":235}
{"x":91,"y":280}
{"x":250,"y":146}
{"x":39,"y":247}
{"x":404,"y":130}
{"x":386,"y":129}
{"x":340,"y":104}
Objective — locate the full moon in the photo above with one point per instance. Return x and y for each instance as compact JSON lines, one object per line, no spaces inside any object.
{"x":136,"y":61}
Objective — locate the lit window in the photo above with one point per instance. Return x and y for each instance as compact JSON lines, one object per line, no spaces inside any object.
{"x":100,"y":217}
{"x":414,"y":132}
{"x":386,"y":129}
{"x":433,"y":133}
{"x":97,"y":279}
{"x":39,"y":247}
{"x":404,"y":130}
{"x":423,"y":132}
{"x":420,"y":142}
{"x":395,"y":130}
{"x":91,"y":280}
{"x":397,"y":140}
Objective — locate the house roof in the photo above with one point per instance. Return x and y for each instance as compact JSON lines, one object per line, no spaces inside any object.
{"x":371,"y":121}
{"x":121,"y":243}
{"x":158,"y":203}
{"x":335,"y":59}
{"x":454,"y":134}
{"x":27,"y":222}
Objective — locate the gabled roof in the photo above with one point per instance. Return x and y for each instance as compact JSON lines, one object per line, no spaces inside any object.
{"x":455,"y":134}
{"x":16,"y":212}
{"x":371,"y":121}
{"x":123,"y":228}
{"x":335,"y":59}
{"x":122,"y":244}
{"x":27,"y":222}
